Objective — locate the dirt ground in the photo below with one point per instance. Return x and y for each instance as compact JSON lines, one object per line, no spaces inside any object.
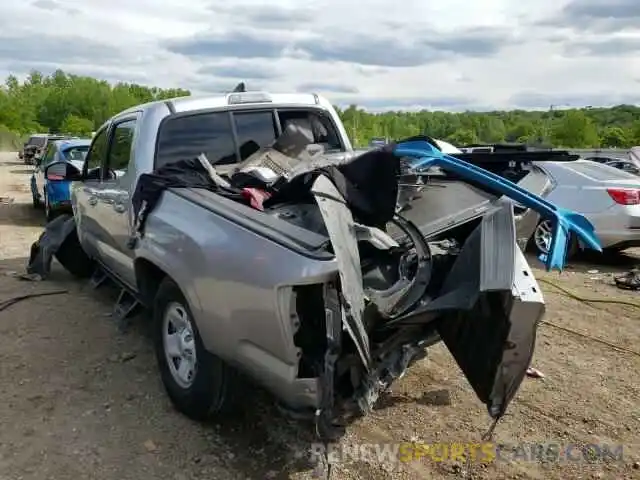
{"x":82,"y":400}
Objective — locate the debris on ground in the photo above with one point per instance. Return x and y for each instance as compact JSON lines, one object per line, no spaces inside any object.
{"x":534,"y":373}
{"x":150,"y":446}
{"x":629,"y":280}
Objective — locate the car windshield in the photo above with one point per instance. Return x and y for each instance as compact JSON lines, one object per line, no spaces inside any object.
{"x":78,"y":152}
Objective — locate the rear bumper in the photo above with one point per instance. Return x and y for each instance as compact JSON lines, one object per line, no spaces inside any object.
{"x":61,"y":206}
{"x":59,"y":194}
{"x":627,"y":238}
{"x":486,"y":312}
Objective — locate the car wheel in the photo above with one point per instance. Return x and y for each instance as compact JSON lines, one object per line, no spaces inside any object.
{"x":541,"y":240}
{"x":36,"y":201}
{"x":198,"y":383}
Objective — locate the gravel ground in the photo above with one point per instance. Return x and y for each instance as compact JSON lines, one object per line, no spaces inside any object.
{"x":81,"y":400}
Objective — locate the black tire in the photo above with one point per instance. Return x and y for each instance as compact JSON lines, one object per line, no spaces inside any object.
{"x":36,"y":202}
{"x":573,"y":250}
{"x":215,"y":387}
{"x":73,"y":258}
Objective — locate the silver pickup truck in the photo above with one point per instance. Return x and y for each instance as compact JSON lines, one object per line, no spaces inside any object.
{"x":302,"y":297}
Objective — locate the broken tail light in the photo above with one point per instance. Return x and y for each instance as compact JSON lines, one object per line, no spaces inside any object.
{"x":625,"y":196}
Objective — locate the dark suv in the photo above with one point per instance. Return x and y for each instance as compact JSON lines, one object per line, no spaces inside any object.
{"x":37,"y":145}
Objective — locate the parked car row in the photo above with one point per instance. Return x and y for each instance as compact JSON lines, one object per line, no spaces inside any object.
{"x":37,"y":145}
{"x":53,"y":191}
{"x":619,"y":163}
{"x":605,"y":190}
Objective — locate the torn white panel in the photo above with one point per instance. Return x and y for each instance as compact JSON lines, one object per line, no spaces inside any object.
{"x":376,"y":237}
{"x":342,"y":233}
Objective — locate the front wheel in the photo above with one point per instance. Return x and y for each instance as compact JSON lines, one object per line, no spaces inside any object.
{"x":198,"y":383}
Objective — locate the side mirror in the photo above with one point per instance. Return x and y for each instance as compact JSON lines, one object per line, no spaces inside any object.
{"x":62,"y":171}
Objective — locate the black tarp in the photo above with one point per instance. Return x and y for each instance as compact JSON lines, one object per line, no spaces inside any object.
{"x":43,"y":249}
{"x":189,"y":173}
{"x":369,"y":183}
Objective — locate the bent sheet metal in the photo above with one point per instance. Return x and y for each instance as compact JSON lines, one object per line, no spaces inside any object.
{"x":564,"y":221}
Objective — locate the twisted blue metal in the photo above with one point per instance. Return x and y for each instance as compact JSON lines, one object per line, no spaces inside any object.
{"x":564,"y":221}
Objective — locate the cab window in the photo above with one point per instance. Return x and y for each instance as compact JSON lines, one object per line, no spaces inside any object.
{"x":97,"y":155}
{"x":121,"y":144}
{"x":187,"y":136}
{"x":254,"y":131}
{"x":320,"y":126}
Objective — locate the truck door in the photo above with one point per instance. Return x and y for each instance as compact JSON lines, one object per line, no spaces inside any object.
{"x":114,"y":201}
{"x":85,"y":196}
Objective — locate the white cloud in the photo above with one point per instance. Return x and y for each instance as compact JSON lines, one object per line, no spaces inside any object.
{"x":447,"y":54}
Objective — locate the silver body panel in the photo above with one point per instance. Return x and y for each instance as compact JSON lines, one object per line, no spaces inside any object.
{"x":582,"y":186}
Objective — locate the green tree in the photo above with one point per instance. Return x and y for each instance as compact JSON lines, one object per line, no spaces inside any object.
{"x":463,"y":137}
{"x":63,"y":101}
{"x":615,"y":137}
{"x":78,"y":126}
{"x":575,"y":130}
{"x":634,"y":133}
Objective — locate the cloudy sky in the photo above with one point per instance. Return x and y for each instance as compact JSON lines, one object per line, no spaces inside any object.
{"x":380,"y":54}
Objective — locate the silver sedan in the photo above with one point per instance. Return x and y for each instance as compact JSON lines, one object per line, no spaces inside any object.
{"x":607,"y":196}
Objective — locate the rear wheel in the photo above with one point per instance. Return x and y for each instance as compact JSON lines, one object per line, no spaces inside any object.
{"x":198,"y":383}
{"x":541,"y":240}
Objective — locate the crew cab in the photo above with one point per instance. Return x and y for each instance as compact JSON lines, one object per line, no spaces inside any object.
{"x":303,"y":295}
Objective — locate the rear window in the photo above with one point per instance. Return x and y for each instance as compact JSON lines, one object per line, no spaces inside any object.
{"x":599,"y":171}
{"x":322,"y":129}
{"x":229,"y":137}
{"x":254,"y":130}
{"x":186,"y":137}
{"x":78,"y":152}
{"x":37,"y":141}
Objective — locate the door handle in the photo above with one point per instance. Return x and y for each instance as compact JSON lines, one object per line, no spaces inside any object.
{"x":119,"y":207}
{"x":93,"y":200}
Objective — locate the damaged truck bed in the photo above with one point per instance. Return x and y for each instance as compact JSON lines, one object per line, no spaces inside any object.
{"x":318,"y":273}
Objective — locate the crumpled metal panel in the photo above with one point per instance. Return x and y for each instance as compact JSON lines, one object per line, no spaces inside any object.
{"x":342,"y":233}
{"x":496,"y":261}
{"x":564,"y":221}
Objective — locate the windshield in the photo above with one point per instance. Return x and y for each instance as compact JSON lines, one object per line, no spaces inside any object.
{"x":78,"y":152}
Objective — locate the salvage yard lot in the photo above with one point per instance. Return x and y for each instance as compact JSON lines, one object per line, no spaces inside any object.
{"x":81,"y":400}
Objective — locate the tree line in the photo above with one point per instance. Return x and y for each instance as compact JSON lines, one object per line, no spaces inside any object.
{"x":77,"y":105}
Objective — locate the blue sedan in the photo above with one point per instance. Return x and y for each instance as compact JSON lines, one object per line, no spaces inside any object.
{"x":55,"y":194}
